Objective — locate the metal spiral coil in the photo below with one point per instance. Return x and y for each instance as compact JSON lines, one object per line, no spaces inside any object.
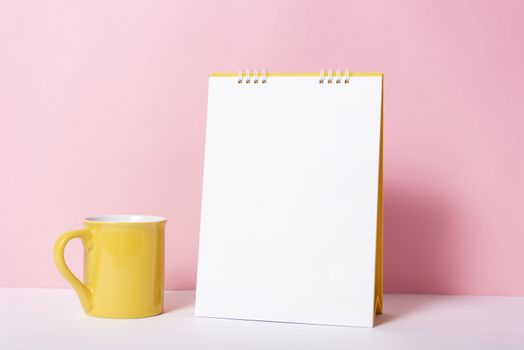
{"x":246,"y":76}
{"x":337,"y":77}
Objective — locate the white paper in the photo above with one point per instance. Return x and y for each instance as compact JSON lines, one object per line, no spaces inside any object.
{"x":289,"y":206}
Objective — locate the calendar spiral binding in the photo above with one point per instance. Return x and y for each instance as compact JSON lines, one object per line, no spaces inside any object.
{"x":329,"y":76}
{"x":339,"y":77}
{"x":247,"y":76}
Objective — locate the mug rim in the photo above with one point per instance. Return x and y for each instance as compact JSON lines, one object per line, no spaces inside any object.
{"x":125,"y":219}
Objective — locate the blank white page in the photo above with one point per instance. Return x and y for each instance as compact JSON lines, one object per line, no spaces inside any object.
{"x":289,"y":205}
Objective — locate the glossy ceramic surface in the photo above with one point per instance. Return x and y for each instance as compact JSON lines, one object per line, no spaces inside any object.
{"x":123,"y":265}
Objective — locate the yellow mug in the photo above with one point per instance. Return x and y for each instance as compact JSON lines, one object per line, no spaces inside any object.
{"x":123,"y":265}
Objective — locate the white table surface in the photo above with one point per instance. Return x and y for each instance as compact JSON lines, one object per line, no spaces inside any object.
{"x":53,"y":319}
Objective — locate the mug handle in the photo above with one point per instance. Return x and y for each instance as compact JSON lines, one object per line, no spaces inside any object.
{"x":83,"y":291}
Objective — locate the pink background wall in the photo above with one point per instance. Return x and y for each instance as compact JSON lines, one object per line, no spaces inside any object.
{"x":103,"y":106}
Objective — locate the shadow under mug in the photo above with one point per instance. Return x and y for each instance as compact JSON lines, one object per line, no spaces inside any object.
{"x":123,"y":265}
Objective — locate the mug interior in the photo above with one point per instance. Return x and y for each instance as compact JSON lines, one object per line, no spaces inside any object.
{"x":125,"y":218}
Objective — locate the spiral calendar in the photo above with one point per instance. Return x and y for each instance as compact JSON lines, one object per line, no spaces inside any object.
{"x":291,"y":220}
